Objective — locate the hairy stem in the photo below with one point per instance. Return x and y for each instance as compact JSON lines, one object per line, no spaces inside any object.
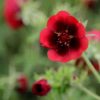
{"x":81,"y":87}
{"x":91,"y":67}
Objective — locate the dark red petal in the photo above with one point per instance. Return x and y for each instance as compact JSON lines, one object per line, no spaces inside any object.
{"x":44,"y":37}
{"x":81,"y":30}
{"x":75,"y":43}
{"x":60,"y":16}
{"x":63,"y":13}
{"x":41,"y":87}
{"x":79,"y":44}
{"x":42,"y":81}
{"x":84,"y":43}
{"x":54,"y":56}
{"x":51,"y":22}
{"x":22,"y":84}
{"x":66,"y":23}
{"x":70,"y":20}
{"x":11,"y":12}
{"x":74,"y":54}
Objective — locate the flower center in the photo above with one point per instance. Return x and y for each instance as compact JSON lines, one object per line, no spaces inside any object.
{"x":64,"y":38}
{"x":39,"y":88}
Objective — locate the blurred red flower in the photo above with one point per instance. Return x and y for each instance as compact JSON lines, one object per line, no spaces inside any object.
{"x":96,"y":34}
{"x":41,"y":87}
{"x":12,"y":13}
{"x":82,"y":64}
{"x":90,"y":3}
{"x":22,"y":83}
{"x":64,"y":36}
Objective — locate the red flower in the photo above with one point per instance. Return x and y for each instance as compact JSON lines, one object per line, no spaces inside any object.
{"x":64,"y":36}
{"x":11,"y":13}
{"x":96,"y":34}
{"x":90,"y":3}
{"x":22,"y":84}
{"x":81,"y":63}
{"x":41,"y":87}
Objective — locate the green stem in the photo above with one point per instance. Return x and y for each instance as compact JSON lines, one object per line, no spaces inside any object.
{"x":11,"y":82}
{"x":81,"y":87}
{"x":91,"y":67}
